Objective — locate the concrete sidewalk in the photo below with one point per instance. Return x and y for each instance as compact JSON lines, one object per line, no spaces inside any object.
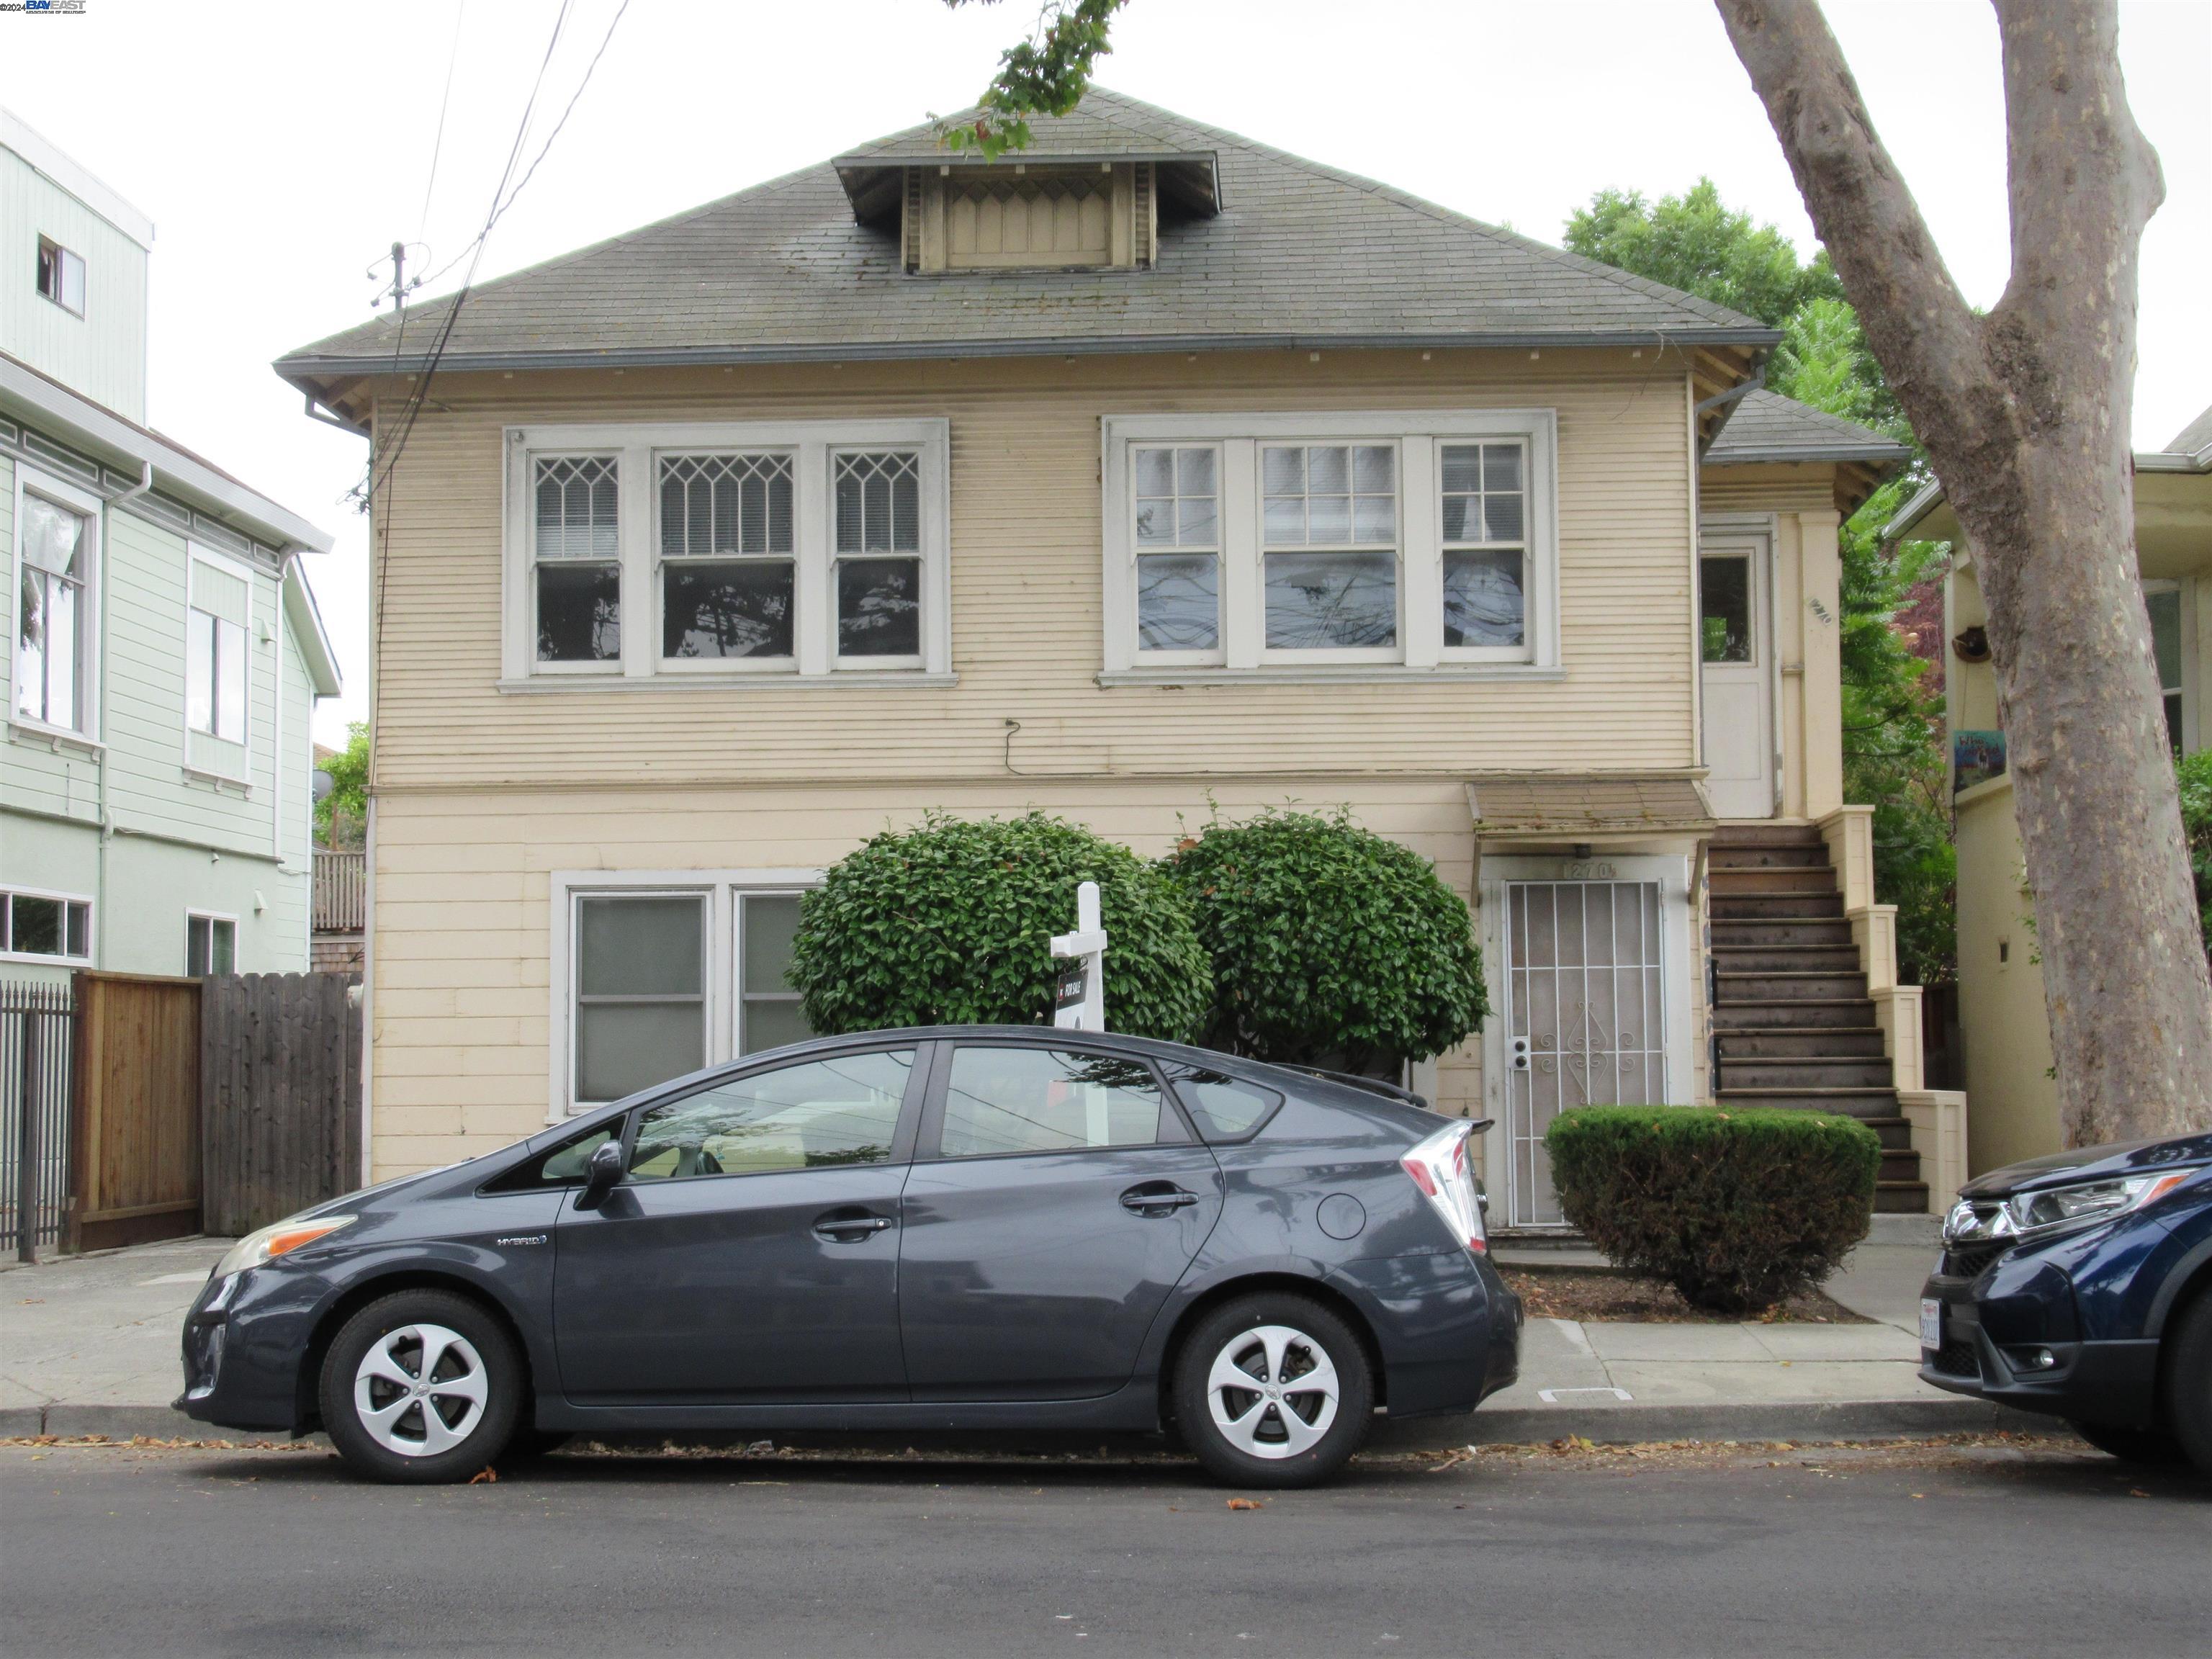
{"x":88,"y":1345}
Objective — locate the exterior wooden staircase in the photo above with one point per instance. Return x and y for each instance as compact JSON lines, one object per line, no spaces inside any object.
{"x":1794,"y":1024}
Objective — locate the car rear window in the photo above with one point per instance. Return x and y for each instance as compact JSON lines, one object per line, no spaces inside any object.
{"x":1224,"y":1108}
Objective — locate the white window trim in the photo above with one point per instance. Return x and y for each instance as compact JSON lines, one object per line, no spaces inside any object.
{"x":1420,"y":652}
{"x":76,"y":499}
{"x":196,"y":553}
{"x":191,"y":916}
{"x":720,"y":888}
{"x":2192,"y":732}
{"x":812,"y":443}
{"x":83,"y":277}
{"x":91,"y":927}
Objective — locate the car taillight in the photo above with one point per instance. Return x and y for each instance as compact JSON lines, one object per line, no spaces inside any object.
{"x":1439,"y":1168}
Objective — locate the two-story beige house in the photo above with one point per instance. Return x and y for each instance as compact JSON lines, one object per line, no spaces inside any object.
{"x":1147,"y":473}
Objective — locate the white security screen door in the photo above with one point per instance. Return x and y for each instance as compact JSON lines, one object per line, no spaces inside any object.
{"x":1584,"y":990}
{"x":1739,"y":676}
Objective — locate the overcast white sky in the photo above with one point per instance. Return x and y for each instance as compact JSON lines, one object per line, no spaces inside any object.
{"x":280,"y":149}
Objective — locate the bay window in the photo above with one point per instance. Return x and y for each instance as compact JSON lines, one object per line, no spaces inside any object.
{"x":1325,"y":546}
{"x":727,"y":551}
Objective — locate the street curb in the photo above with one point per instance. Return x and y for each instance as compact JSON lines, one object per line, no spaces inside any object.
{"x":1811,"y":1420}
{"x":1852,"y":1420}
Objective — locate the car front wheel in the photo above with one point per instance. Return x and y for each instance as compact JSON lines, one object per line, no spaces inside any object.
{"x":2189,"y":1381}
{"x":1273,"y":1390}
{"x":421,"y":1387}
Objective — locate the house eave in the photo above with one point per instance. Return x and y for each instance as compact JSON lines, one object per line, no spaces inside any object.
{"x":313,"y":374}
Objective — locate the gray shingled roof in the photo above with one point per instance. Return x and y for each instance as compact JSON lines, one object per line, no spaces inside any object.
{"x":1769,"y":426}
{"x":1301,"y":255}
{"x":2193,"y":439}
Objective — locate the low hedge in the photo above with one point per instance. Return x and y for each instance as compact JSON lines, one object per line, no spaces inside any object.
{"x":1736,"y":1209}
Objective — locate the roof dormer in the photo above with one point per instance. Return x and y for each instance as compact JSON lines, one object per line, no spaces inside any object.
{"x":1041,"y":211}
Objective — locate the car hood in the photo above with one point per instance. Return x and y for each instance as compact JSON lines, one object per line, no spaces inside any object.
{"x":2124,"y":1158}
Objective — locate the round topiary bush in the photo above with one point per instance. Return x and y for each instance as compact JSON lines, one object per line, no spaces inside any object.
{"x":1329,"y":944}
{"x":1738,"y":1210}
{"x":950,"y":925}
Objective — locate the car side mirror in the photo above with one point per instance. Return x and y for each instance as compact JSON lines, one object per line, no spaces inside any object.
{"x":603,"y":1172}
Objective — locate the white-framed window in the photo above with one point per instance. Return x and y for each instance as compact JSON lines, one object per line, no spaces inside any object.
{"x":39,"y":927}
{"x":658,"y":973}
{"x":1325,"y":545}
{"x":56,"y":603}
{"x":679,"y":552}
{"x":61,"y":276}
{"x":2173,"y":644}
{"x":218,"y":666}
{"x":210,"y":944}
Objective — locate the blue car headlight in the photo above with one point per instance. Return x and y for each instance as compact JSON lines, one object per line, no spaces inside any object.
{"x":2055,"y":1210}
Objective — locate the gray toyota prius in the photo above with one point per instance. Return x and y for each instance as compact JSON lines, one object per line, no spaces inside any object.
{"x":958,"y":1228}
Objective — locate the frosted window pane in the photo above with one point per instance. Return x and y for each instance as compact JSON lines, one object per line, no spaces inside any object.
{"x":639,"y":947}
{"x":624,"y":1047}
{"x":770,"y":923}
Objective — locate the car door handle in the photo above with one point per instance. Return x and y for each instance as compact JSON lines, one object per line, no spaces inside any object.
{"x":848,"y":1229}
{"x":1157,"y":1197}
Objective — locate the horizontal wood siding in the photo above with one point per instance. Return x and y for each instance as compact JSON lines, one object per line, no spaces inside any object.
{"x":1026,"y":588}
{"x":462,"y":940}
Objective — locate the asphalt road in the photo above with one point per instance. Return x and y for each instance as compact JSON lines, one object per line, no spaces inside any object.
{"x":118,"y":1551}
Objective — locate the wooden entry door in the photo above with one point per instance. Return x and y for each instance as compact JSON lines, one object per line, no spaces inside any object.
{"x":135,"y":1129}
{"x":1585,"y":994}
{"x":1735,"y":639}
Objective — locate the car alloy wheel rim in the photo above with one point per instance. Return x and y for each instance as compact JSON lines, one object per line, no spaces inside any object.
{"x":421,"y":1390}
{"x":1273,"y":1392}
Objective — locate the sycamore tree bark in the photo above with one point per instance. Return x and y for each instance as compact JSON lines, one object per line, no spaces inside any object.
{"x":2025,"y":415}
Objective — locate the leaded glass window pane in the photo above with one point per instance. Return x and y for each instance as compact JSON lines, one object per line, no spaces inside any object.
{"x":879,"y":502}
{"x":577,"y":509}
{"x":713,"y":504}
{"x":579,"y":548}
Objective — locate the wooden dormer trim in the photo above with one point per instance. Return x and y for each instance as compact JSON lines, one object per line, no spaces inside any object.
{"x":1048,"y":215}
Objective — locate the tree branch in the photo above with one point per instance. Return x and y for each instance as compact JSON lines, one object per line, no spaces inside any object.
{"x":1920,"y":327}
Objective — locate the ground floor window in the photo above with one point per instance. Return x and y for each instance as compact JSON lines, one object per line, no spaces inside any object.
{"x":210,"y":945}
{"x":54,"y":927}
{"x":657,"y":975}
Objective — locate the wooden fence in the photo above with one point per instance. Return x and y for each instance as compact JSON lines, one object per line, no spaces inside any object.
{"x":280,"y":1087}
{"x":135,"y":1128}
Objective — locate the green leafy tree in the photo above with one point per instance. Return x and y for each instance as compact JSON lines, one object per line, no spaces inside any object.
{"x":342,"y":816}
{"x":1330,"y":945}
{"x":1044,"y":75}
{"x":1698,"y":243}
{"x":950,"y":924}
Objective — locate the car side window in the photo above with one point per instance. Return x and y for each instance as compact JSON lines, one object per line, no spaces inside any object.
{"x":1041,"y":1100}
{"x":1224,"y":1108}
{"x":817,"y":1114}
{"x":562,"y":1166}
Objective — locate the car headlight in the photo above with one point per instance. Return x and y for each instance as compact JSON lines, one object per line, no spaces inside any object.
{"x":2061,"y":1209}
{"x":281,"y":1239}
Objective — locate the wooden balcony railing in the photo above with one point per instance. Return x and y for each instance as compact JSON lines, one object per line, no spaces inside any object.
{"x":341,"y":890}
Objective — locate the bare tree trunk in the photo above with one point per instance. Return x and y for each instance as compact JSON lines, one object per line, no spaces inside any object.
{"x":2025,"y":414}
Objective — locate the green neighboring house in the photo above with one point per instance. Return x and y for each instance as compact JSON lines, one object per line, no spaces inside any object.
{"x":162,"y":652}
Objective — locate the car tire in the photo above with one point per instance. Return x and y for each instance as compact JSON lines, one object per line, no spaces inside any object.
{"x":389,"y":1428}
{"x":1275,"y":1433}
{"x":2152,"y":1448}
{"x":2189,"y":1381}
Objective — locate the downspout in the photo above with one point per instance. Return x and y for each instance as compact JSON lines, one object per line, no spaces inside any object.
{"x":1728,"y":400}
{"x":106,"y":824}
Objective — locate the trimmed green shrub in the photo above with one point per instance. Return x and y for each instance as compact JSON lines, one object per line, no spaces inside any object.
{"x":950,"y":925}
{"x":1738,"y":1210}
{"x":1330,"y":944}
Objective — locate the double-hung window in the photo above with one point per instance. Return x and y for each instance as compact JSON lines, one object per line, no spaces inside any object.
{"x":217,"y":621}
{"x":2173,"y":647}
{"x":210,"y":945}
{"x":668,"y":971}
{"x":57,"y":548}
{"x":1319,"y":546}
{"x":724,"y":551}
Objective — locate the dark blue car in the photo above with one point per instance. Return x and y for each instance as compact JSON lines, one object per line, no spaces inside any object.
{"x":963,"y":1228}
{"x":2081,"y":1284}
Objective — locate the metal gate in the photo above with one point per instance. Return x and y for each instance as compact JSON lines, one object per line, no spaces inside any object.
{"x":1585,"y":993}
{"x":37,"y":1046}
